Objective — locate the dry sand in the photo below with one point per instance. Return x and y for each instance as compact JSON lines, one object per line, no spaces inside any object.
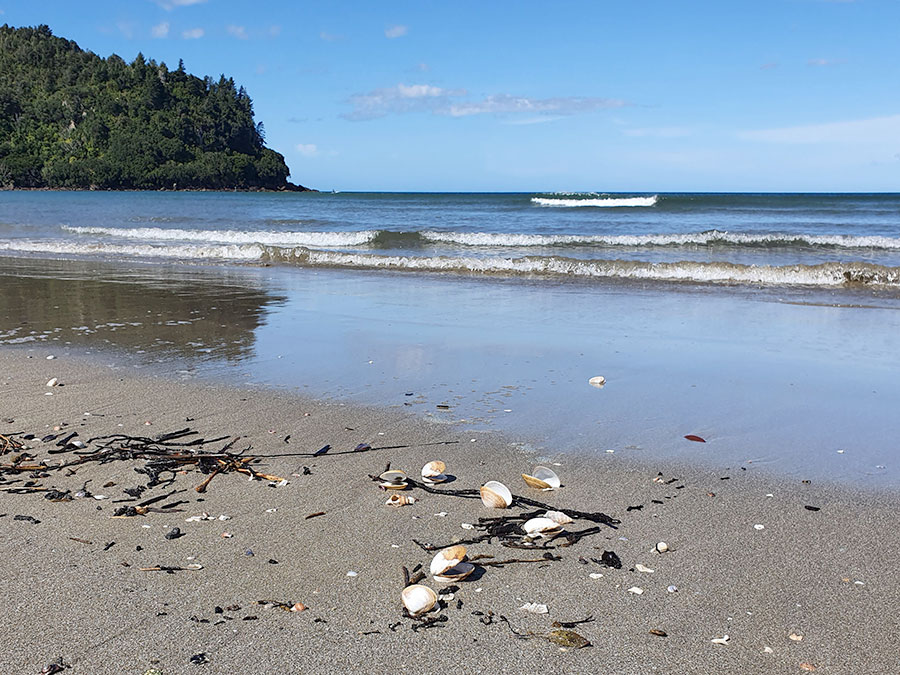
{"x":827,"y":576}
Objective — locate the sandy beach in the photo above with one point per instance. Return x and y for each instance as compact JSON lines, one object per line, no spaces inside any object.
{"x":799,"y":576}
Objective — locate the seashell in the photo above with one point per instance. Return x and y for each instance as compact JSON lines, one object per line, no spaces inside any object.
{"x":496,"y":495}
{"x":597,"y":381}
{"x":662,"y":547}
{"x":542,"y":478}
{"x":418,"y":599}
{"x":446,"y":559}
{"x":456,"y":573}
{"x":433,"y":472}
{"x":52,"y":382}
{"x":558,"y":517}
{"x":400,"y":500}
{"x":539,"y":527}
{"x":393,"y":480}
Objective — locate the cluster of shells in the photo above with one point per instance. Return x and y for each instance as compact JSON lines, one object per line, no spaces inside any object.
{"x":450,"y":565}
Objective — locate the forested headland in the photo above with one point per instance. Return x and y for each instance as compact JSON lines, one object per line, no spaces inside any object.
{"x":71,"y":119}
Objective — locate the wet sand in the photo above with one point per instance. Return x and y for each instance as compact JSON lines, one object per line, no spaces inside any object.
{"x":827,"y":576}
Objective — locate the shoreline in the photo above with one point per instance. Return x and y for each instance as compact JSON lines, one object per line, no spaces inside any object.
{"x":759,"y":586}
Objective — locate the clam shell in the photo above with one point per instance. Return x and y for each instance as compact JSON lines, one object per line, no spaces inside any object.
{"x":400,"y":500}
{"x":597,"y":381}
{"x":662,"y":547}
{"x":393,"y":476}
{"x":418,"y":599}
{"x":446,"y":559}
{"x":540,"y":526}
{"x":496,"y":495}
{"x":558,"y":517}
{"x":542,"y":478}
{"x":456,"y":573}
{"x":433,"y":472}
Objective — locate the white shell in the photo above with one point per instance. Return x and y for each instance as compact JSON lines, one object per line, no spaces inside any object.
{"x":662,"y":547}
{"x":52,"y":382}
{"x":495,"y":494}
{"x":447,"y":559}
{"x":456,"y":573}
{"x":597,"y":381}
{"x":540,"y":526}
{"x":418,"y":599}
{"x":558,"y":517}
{"x":542,"y":478}
{"x":393,"y":476}
{"x":433,"y":472}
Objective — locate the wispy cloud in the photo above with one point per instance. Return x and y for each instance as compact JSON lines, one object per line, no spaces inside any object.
{"x":160,"y":30}
{"x":871,"y":130}
{"x":307,"y":149}
{"x":823,"y":63}
{"x":392,"y":32}
{"x":404,"y":98}
{"x":193,"y":34}
{"x":169,"y":5}
{"x":506,"y":104}
{"x":237,"y":31}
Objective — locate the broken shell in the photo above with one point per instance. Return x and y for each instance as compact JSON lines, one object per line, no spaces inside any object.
{"x":393,"y":480}
{"x":662,"y":547}
{"x":433,"y":472}
{"x":446,"y":559}
{"x":558,"y":517}
{"x":539,"y":527}
{"x":597,"y":381}
{"x":418,"y":599}
{"x":52,"y":382}
{"x":400,"y":500}
{"x":495,"y":495}
{"x":542,"y":478}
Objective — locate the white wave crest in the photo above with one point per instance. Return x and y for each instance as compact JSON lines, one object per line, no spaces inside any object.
{"x":686,"y":239}
{"x":309,"y":239}
{"x":181,"y":252}
{"x":603,"y":202}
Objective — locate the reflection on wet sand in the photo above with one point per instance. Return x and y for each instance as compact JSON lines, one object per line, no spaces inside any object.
{"x":182,"y":313}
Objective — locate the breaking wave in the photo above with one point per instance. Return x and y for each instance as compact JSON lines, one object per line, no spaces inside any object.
{"x":602,"y":202}
{"x":309,"y":239}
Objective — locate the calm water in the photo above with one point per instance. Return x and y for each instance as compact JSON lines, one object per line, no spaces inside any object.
{"x":727,"y":316}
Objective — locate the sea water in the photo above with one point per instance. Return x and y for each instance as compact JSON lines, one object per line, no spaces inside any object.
{"x":767,"y":324}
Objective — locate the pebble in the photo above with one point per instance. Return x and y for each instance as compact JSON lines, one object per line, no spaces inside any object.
{"x":351,"y":573}
{"x":174,"y":533}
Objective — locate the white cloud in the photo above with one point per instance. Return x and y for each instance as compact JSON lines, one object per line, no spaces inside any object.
{"x":160,"y":30}
{"x":505,"y":104}
{"x":169,"y":5}
{"x":193,"y":34}
{"x":307,"y":149}
{"x":877,"y":130}
{"x":404,"y":98}
{"x":395,"y":31}
{"x":237,"y":31}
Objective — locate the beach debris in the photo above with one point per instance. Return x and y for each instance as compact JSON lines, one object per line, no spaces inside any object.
{"x":400,"y":500}
{"x":636,"y":590}
{"x":433,"y":472}
{"x":394,"y":479}
{"x":321,"y":451}
{"x":595,"y":575}
{"x":806,"y":666}
{"x":495,"y":495}
{"x":467,"y":526}
{"x":795,"y":637}
{"x":449,"y":565}
{"x":662,"y":547}
{"x":567,"y":638}
{"x":534,"y":608}
{"x":721,"y":641}
{"x":52,"y":382}
{"x":55,"y":667}
{"x":672,"y":589}
{"x":643,"y":568}
{"x":696,"y":439}
{"x":27,"y":519}
{"x":610,"y":559}
{"x":199,"y":659}
{"x":418,"y":599}
{"x":558,"y":517}
{"x":314,"y":515}
{"x":174,"y":533}
{"x":351,"y":573}
{"x":597,"y":381}
{"x":812,"y":508}
{"x":542,"y":478}
{"x":758,"y":526}
{"x":658,"y":632}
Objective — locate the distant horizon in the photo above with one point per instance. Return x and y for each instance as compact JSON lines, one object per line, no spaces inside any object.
{"x":784,"y":97}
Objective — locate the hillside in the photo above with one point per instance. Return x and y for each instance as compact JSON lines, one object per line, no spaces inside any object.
{"x":71,"y":119}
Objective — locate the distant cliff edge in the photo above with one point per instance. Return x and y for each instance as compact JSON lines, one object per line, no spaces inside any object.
{"x":70,"y":119}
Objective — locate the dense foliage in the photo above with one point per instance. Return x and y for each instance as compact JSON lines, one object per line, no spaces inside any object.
{"x":71,"y":119}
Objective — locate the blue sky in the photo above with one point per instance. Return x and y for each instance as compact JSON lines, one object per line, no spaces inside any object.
{"x":769,"y":95}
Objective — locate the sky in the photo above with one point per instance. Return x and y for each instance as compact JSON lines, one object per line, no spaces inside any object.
{"x":641,"y":96}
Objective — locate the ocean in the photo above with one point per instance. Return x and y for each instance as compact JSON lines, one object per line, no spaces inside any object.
{"x":766,"y":323}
